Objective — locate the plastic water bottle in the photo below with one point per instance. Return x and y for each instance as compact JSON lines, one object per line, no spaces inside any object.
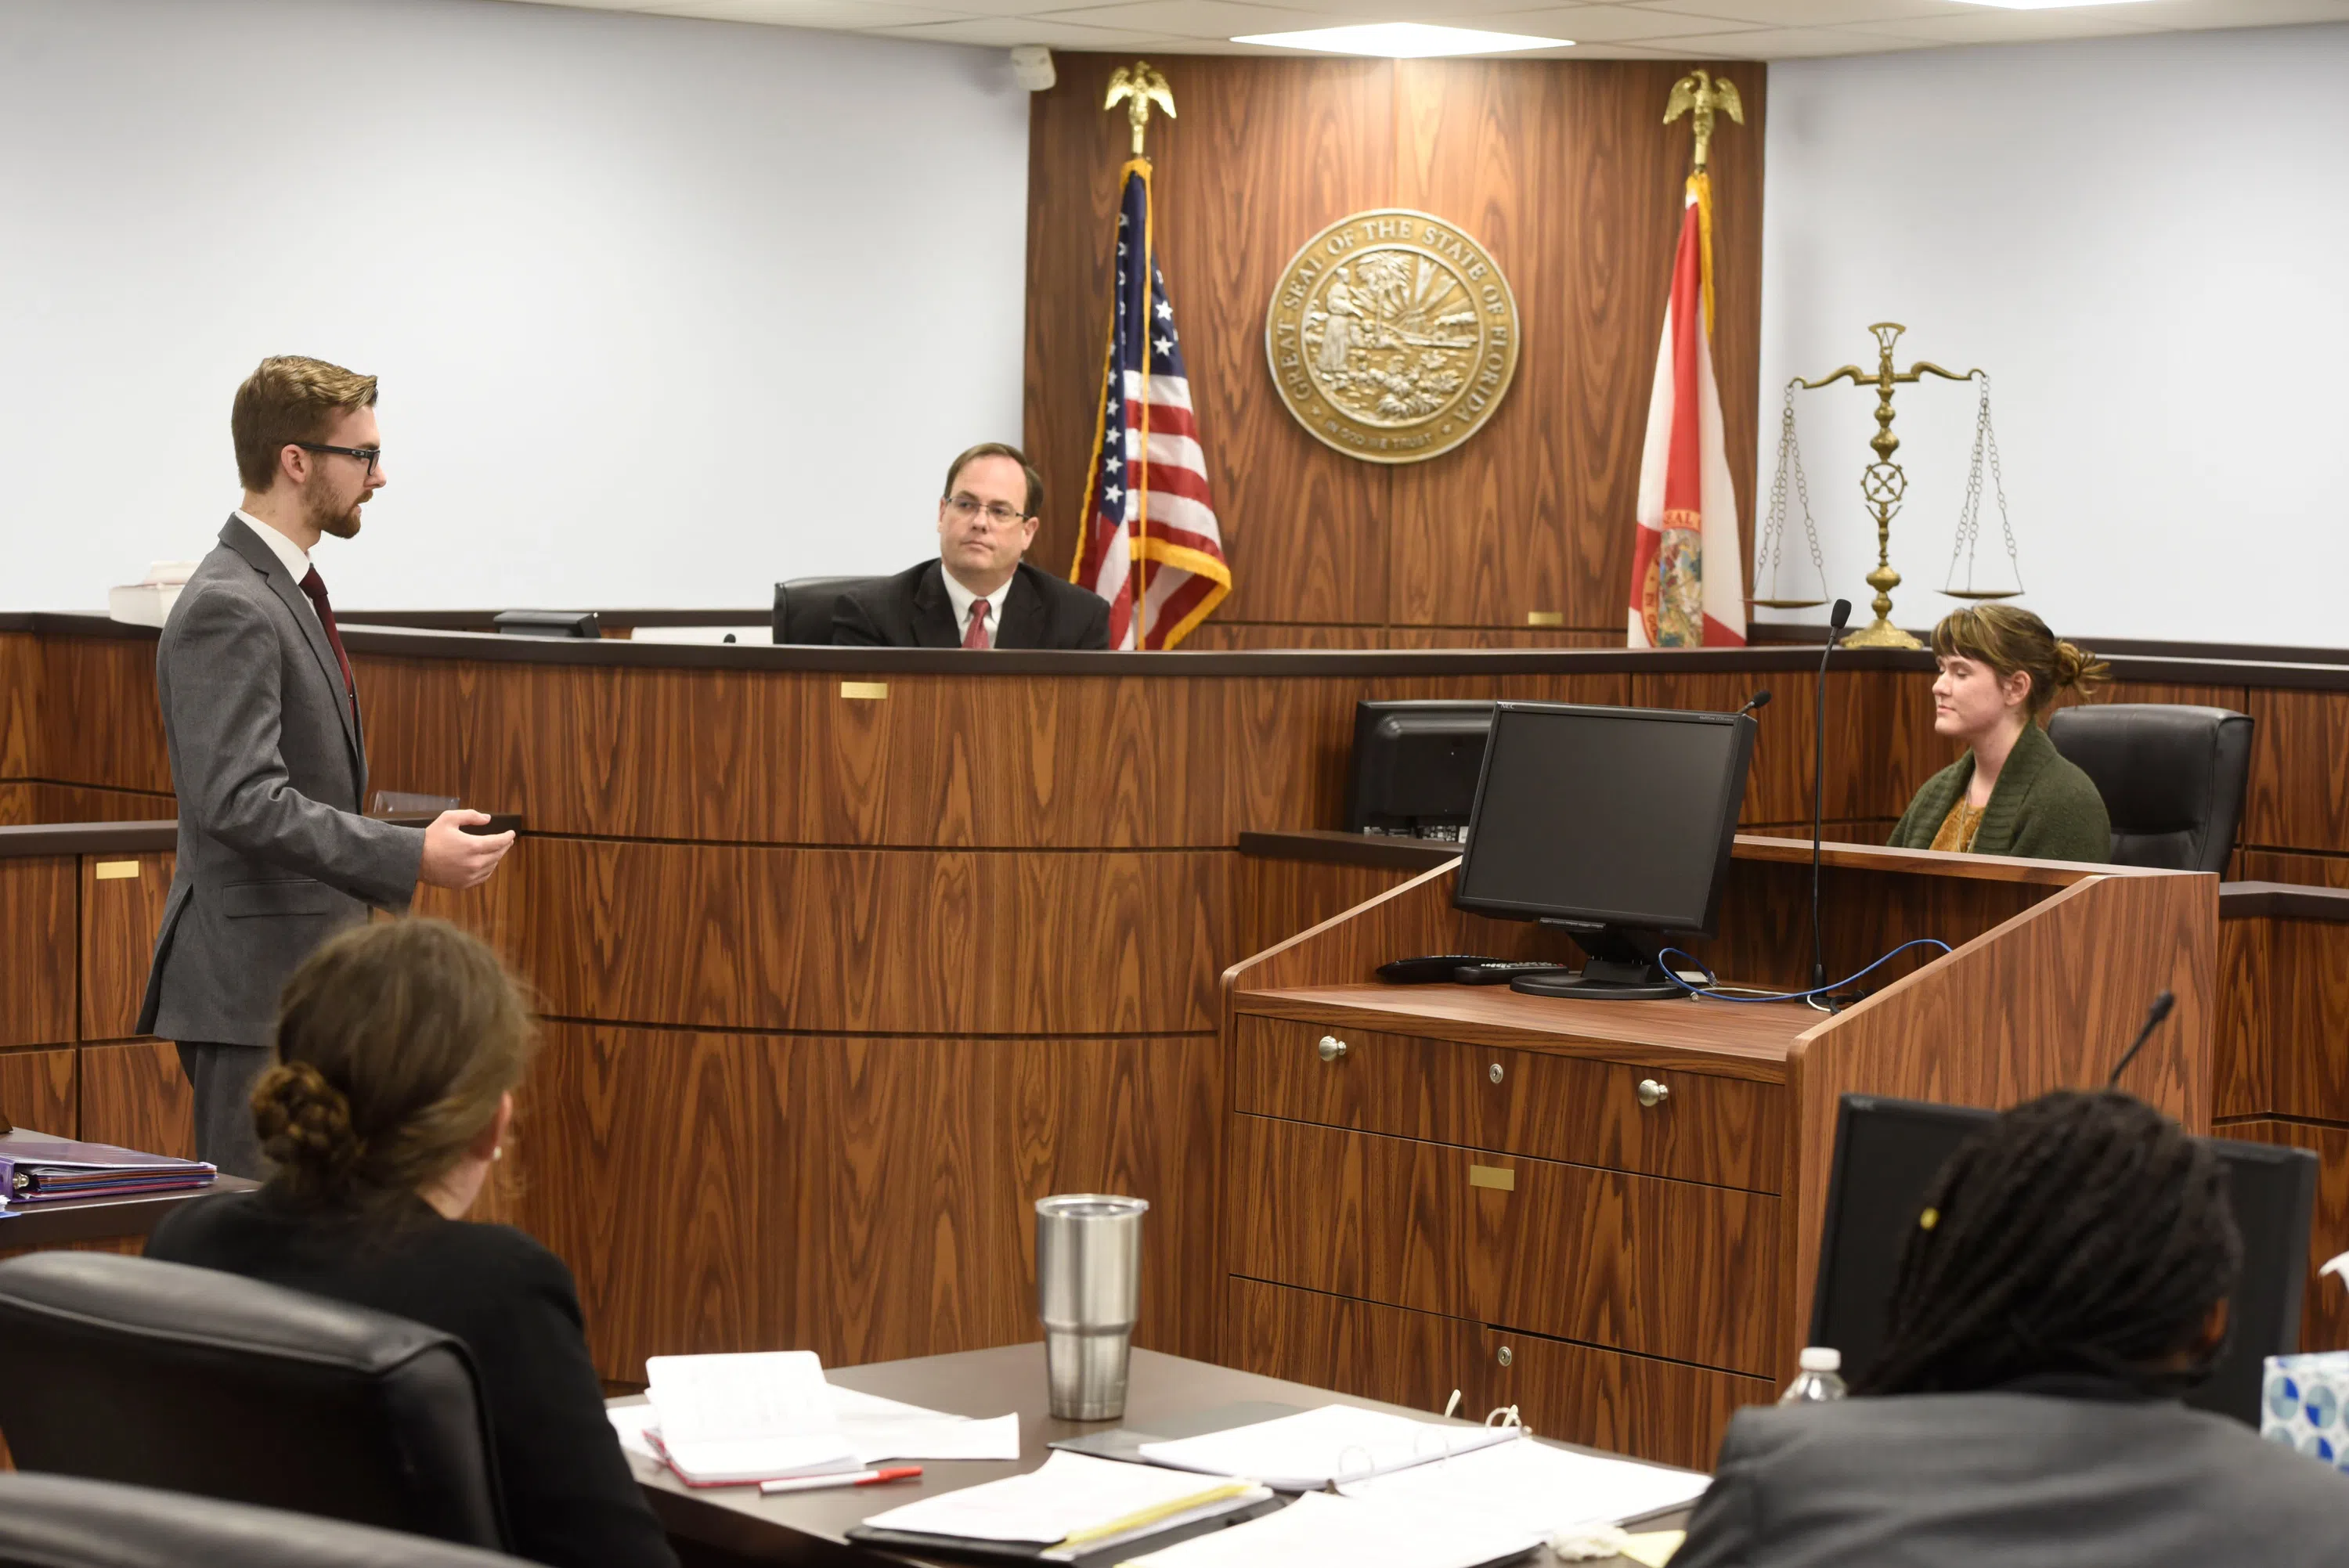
{"x":1819,"y":1381}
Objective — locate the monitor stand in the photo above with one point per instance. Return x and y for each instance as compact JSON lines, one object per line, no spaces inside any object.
{"x":1619,"y":965}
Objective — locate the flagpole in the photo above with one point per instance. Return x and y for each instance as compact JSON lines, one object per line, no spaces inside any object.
{"x":1138,"y":87}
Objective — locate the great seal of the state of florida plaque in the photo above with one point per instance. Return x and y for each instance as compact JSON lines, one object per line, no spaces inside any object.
{"x":1391,"y":335}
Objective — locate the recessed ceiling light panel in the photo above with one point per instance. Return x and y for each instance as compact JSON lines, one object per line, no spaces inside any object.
{"x":1404,"y":41}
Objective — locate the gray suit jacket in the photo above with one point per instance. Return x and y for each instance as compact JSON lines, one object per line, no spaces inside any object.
{"x":271,"y":771}
{"x":2015,"y":1479}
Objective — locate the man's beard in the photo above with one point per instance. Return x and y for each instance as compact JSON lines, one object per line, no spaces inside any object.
{"x":343,"y":523}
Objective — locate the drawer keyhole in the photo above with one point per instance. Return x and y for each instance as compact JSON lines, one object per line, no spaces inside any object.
{"x":1505,"y":1357}
{"x":1495,"y":1072}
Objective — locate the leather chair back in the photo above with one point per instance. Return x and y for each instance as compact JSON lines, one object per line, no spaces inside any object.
{"x":2172,"y":777}
{"x":191,"y":1379}
{"x":803,"y":607}
{"x":64,"y":1521}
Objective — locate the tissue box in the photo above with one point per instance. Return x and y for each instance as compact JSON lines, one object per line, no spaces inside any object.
{"x":2304,"y":1405}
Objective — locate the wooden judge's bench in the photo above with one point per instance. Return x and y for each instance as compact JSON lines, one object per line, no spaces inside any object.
{"x":847,"y":955}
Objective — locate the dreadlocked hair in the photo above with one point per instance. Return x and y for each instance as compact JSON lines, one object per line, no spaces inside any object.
{"x":2078,"y":1232}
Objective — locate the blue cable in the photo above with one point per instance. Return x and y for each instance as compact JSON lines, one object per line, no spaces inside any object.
{"x":1711,"y":979}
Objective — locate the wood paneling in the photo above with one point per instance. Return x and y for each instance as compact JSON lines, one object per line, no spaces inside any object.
{"x":1627,"y":1262}
{"x":2307,"y":997}
{"x":20,"y":706}
{"x":1560,"y":169}
{"x":83,"y":803}
{"x":103,"y":723}
{"x":2311,"y":870}
{"x":38,"y":955}
{"x":2243,"y":1077}
{"x":1724,"y":1131}
{"x":1216,"y":636}
{"x":1406,"y":637}
{"x":2299,"y":792}
{"x":38,"y":1091}
{"x":120,"y":918}
{"x":1273,"y":900}
{"x":2324,"y":1309}
{"x":868,"y":1199}
{"x":136,"y":1096}
{"x":986,"y":943}
{"x":1652,"y":1410}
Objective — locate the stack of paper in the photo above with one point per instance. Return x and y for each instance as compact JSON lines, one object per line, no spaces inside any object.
{"x":1314,"y":1449}
{"x":1321,"y":1529}
{"x":726,"y":1421}
{"x":1074,"y":1505}
{"x":874,"y":1429}
{"x":1533,"y":1486}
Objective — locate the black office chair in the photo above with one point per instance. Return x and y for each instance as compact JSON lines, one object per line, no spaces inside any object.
{"x":2172,"y":777}
{"x":155,"y":1374}
{"x":803,"y":606}
{"x":64,"y":1521}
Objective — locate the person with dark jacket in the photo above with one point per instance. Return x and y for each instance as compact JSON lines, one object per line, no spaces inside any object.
{"x":399,"y":1045}
{"x":979,"y":593}
{"x":2066,"y":1280}
{"x":2012,"y":793}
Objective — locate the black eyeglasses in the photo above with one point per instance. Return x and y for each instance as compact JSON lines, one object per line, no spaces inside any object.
{"x":367,"y":455}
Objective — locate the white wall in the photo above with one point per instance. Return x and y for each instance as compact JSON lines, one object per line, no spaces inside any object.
{"x":664,"y":310}
{"x":2142,"y":242}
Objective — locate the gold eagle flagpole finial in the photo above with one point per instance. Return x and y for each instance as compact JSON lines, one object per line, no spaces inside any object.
{"x":1138,"y":85}
{"x":1702,"y":92}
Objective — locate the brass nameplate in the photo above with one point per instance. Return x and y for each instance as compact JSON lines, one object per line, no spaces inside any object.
{"x":1544,"y":617}
{"x":864,"y":691}
{"x":1499,"y":1178}
{"x":116,"y":871}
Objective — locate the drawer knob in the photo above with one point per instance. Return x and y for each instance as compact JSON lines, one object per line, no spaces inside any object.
{"x":1505,"y":1355}
{"x":1331,"y":1047}
{"x":1654,"y":1094}
{"x":1495,"y":1072}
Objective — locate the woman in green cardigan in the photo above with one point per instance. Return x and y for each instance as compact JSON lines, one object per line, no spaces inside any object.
{"x":2012,"y":793}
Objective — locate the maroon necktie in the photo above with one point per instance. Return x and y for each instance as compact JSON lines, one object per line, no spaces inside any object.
{"x":315,"y":587}
{"x":977,"y":637}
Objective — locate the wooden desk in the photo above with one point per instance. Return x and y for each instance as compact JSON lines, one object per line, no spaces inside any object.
{"x":811,"y":1527}
{"x":101,"y":1225}
{"x":1485,"y":1190}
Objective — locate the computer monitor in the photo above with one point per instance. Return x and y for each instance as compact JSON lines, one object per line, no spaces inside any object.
{"x":1614,"y":823}
{"x":1414,"y":767}
{"x":1887,"y":1153}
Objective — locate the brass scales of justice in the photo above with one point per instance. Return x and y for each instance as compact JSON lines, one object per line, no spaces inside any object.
{"x":1883,"y":485}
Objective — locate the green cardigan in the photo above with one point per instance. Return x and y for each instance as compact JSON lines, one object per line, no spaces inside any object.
{"x":2042,"y":807}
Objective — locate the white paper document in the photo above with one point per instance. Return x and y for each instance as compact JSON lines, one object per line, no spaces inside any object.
{"x":729,"y":1420}
{"x":876,"y":1430}
{"x":1321,"y":1529}
{"x":1314,"y":1448}
{"x":1070,"y":1495}
{"x":1535,"y":1487}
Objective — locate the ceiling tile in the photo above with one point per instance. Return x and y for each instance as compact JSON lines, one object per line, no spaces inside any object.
{"x":1198,"y":18}
{"x":1601,"y":24}
{"x":1995,"y":24}
{"x":825,"y":14}
{"x":1861,"y":13}
{"x":2201,"y":13}
{"x":1791,"y":43}
{"x":1006,"y":31}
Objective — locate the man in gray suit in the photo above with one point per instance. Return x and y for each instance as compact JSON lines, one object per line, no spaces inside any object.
{"x":261,"y":718}
{"x":2067,"y":1279}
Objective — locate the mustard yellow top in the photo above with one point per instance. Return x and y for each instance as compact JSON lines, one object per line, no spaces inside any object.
{"x":1958,"y":829}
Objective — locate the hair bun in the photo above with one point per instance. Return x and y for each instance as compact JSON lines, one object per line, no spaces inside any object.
{"x":2076,"y":667}
{"x":305,"y":1125}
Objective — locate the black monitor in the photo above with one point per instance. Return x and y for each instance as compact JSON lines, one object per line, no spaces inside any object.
{"x":1414,"y":767}
{"x":546,"y":623}
{"x":1614,"y":823}
{"x":1887,"y":1153}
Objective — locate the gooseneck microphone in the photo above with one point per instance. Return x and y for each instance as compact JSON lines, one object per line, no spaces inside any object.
{"x":1759,"y":700}
{"x":1838,"y":619}
{"x":2153,"y":1018}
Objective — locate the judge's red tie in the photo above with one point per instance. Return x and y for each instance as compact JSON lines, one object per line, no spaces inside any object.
{"x":977,"y":637}
{"x":315,"y":587}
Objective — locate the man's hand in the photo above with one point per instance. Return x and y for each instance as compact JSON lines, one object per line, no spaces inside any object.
{"x":454,"y":858}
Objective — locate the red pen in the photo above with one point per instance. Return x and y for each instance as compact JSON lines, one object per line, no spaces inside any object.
{"x":847,"y":1478}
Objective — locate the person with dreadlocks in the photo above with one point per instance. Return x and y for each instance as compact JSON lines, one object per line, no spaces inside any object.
{"x":2067,"y":1279}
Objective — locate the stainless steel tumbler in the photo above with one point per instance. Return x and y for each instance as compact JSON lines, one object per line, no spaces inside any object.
{"x":1089,"y":1292}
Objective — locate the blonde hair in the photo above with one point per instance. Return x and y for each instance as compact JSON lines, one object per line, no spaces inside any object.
{"x":395,"y":1041}
{"x":287,"y":400}
{"x":2009,"y":639}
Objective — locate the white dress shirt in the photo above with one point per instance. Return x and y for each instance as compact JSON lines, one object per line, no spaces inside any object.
{"x":296,"y":558}
{"x":962,"y":599}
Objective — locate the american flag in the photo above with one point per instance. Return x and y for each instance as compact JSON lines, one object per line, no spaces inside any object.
{"x":1149,"y":517}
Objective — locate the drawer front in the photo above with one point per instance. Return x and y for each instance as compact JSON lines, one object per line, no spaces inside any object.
{"x":1627,"y":1262}
{"x":1663,"y":1411}
{"x":1728,"y":1131}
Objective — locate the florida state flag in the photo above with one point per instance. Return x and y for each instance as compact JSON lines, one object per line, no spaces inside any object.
{"x":1687,"y":571}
